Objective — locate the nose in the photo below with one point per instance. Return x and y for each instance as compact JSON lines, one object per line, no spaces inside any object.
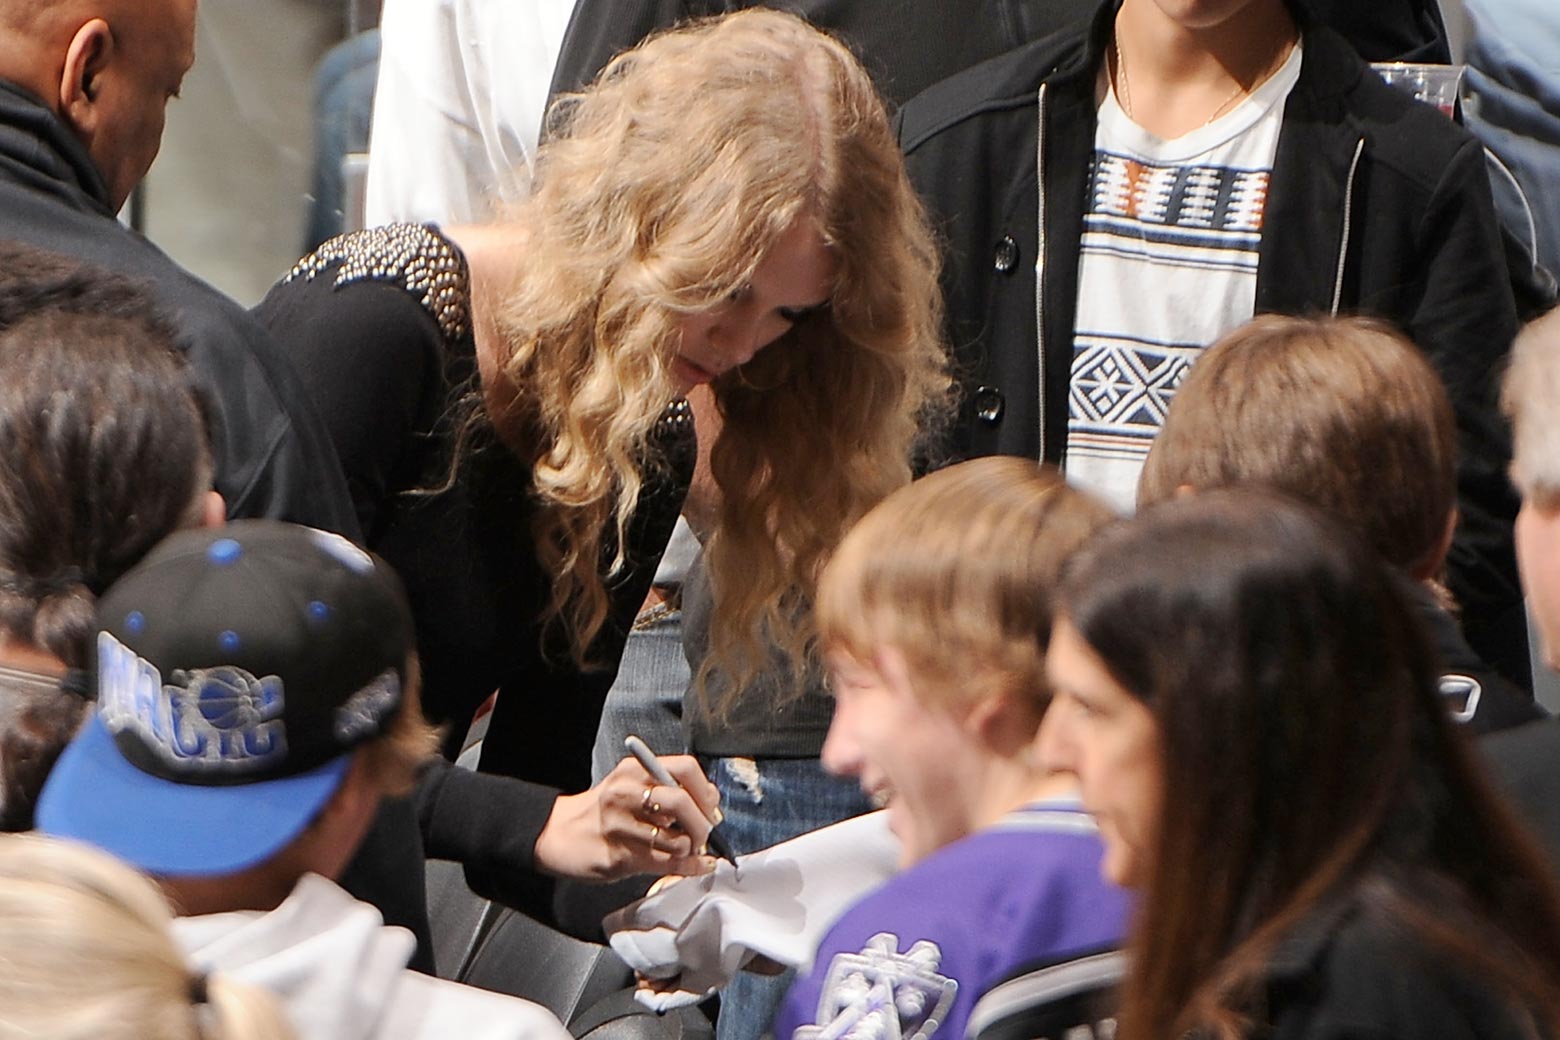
{"x":738,"y":337}
{"x":841,"y":751}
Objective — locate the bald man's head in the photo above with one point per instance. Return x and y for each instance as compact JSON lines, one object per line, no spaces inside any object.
{"x":107,"y":68}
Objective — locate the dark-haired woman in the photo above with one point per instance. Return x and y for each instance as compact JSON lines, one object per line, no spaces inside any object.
{"x":1251,"y":709}
{"x":104,"y":452}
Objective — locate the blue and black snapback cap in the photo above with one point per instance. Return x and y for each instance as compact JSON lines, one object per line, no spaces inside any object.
{"x":237,"y":670}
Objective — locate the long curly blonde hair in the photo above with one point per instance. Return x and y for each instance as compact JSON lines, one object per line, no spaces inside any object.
{"x":658,"y":192}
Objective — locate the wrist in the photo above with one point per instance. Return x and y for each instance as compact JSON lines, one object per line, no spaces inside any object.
{"x":562,"y":845}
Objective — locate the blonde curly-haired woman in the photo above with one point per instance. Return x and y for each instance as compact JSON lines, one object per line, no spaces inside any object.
{"x":725,"y":205}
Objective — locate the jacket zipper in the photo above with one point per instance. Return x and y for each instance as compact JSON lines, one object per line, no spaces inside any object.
{"x":1040,"y":259}
{"x":1348,"y":217}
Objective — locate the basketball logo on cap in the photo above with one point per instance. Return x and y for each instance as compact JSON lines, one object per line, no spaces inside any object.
{"x":204,"y":720}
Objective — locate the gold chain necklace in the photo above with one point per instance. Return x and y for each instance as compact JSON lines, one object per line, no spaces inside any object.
{"x":1124,"y":86}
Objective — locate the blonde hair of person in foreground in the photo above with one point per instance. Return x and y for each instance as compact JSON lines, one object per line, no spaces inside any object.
{"x":85,"y":952}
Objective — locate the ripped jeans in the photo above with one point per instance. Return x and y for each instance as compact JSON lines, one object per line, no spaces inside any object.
{"x":767,"y":801}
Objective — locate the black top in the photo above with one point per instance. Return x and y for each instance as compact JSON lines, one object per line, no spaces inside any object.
{"x":377,"y":322}
{"x":1348,"y":971}
{"x":273,"y":458}
{"x":1525,"y":763}
{"x":1477,"y":696}
{"x":906,"y":46}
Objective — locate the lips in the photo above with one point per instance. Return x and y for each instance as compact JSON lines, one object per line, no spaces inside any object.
{"x":692,"y":372}
{"x":880,"y":792}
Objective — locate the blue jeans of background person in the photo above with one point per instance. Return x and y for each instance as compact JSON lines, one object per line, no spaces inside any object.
{"x":343,"y":109}
{"x":767,"y":801}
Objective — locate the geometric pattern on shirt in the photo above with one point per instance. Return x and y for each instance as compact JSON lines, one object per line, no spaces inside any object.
{"x":1121,"y":388}
{"x":1168,"y":258}
{"x":1197,"y":200}
{"x":1195,"y":217}
{"x":882,"y":994}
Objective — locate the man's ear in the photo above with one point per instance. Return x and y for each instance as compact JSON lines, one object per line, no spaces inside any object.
{"x":1004,"y":721}
{"x":213,"y":510}
{"x":89,"y":53}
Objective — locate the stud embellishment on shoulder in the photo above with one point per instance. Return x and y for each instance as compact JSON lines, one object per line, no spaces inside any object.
{"x":416,"y":256}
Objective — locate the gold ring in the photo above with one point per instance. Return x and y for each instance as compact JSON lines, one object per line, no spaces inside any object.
{"x":644,"y":803}
{"x":655,"y":832}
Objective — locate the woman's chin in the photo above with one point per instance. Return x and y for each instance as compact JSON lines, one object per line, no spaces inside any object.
{"x":1119,"y":864}
{"x":686,"y":375}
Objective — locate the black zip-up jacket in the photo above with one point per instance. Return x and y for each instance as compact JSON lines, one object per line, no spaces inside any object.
{"x":1376,"y":204}
{"x":907,"y":45}
{"x":273,"y":458}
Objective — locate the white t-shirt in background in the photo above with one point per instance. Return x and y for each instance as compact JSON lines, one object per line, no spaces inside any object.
{"x":458,"y":107}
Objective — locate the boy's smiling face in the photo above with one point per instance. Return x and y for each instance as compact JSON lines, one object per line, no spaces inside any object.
{"x":904,"y":752}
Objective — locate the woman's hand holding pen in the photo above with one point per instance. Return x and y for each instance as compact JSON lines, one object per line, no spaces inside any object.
{"x":631,"y":824}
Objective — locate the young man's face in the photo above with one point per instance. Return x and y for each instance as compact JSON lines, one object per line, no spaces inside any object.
{"x":902,"y":751}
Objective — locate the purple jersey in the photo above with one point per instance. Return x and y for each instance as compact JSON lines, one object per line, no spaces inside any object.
{"x":910,"y":959}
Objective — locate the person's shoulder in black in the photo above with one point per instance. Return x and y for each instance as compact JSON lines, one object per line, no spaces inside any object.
{"x":272,"y":456}
{"x":1477,"y":696}
{"x":1525,"y":762}
{"x":378,"y":324}
{"x":1350,"y":970}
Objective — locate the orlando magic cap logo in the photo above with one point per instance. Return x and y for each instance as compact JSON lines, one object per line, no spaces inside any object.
{"x":238,"y":658}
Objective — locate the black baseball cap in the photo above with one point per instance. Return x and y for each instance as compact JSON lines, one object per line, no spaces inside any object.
{"x":237,"y":670}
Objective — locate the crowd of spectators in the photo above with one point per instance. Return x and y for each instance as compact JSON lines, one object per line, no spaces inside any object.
{"x":1111,"y":439}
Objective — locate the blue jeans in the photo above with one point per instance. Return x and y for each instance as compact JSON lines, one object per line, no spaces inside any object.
{"x":767,"y":801}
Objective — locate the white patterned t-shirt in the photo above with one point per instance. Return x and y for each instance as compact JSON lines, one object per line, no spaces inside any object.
{"x":1167,"y":265}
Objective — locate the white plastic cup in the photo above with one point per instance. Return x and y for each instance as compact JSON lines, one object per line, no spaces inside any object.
{"x":1437,"y":85}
